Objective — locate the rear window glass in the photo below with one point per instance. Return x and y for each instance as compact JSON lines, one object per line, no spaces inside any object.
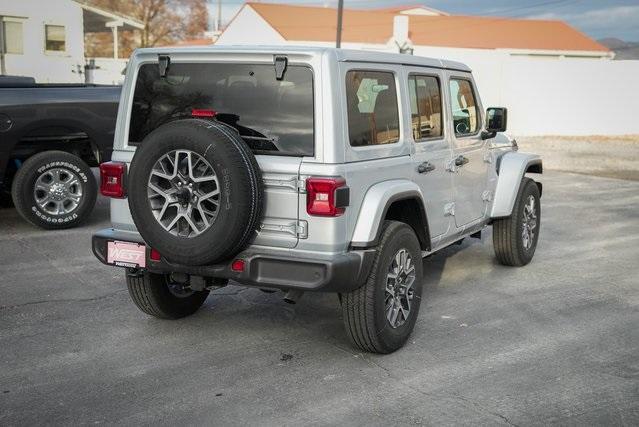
{"x":272,"y":116}
{"x":373,"y":116}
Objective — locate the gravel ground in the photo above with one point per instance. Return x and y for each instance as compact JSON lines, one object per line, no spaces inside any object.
{"x":555,"y":342}
{"x":614,"y":157}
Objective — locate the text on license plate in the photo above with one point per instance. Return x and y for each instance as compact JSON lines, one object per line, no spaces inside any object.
{"x":126,"y":254}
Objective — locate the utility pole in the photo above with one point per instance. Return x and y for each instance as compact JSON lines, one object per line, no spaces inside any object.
{"x":3,"y":70}
{"x":340,"y":11}
{"x":218,"y":24}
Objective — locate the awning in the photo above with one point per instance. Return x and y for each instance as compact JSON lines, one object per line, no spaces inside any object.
{"x":98,"y":20}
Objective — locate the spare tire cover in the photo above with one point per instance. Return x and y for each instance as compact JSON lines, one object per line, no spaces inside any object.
{"x":195,"y":191}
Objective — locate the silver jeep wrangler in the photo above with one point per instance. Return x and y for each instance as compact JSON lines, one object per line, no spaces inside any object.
{"x":307,"y":169}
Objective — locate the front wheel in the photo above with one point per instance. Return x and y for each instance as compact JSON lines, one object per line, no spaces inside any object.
{"x":158,"y":296}
{"x":380,"y":315}
{"x":515,"y":238}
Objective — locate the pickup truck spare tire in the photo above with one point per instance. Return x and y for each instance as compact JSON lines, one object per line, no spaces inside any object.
{"x":195,"y":191}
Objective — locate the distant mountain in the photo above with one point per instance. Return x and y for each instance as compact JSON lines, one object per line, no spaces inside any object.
{"x":622,"y":49}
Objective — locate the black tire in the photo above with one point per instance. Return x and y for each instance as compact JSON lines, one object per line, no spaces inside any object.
{"x":240,"y":184}
{"x":507,"y":232}
{"x":151,"y":294}
{"x":364,"y":309}
{"x":43,"y":165}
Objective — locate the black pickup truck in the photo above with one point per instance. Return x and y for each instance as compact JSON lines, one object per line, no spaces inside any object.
{"x":50,"y":136}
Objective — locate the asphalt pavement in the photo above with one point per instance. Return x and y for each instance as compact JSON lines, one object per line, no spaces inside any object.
{"x":556,"y":342}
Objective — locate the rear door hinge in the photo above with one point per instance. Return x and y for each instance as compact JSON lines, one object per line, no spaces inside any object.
{"x":301,"y":185}
{"x":488,"y":157}
{"x":297,"y":228}
{"x":449,"y":209}
{"x":302,"y":229}
{"x":487,"y":196}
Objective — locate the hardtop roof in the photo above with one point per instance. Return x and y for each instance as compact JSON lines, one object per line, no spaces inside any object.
{"x":342,"y":55}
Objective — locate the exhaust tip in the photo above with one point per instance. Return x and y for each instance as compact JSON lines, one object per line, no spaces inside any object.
{"x":293,"y":296}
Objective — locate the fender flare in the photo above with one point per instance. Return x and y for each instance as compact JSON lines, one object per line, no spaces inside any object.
{"x":511,"y":168}
{"x":375,"y":205}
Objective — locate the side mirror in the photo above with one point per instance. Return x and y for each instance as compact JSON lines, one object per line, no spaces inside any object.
{"x":496,"y":118}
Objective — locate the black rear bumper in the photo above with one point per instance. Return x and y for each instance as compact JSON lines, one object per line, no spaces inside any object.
{"x":333,"y":273}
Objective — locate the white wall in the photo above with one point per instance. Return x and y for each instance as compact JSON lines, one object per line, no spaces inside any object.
{"x":34,"y":61}
{"x":554,"y":96}
{"x":571,"y":97}
{"x":248,"y":27}
{"x":109,"y":71}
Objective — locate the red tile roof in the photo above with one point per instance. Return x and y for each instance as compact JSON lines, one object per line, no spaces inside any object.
{"x":302,"y":23}
{"x":193,"y":42}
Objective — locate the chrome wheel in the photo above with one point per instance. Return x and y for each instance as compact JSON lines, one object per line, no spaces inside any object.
{"x":184,"y":193}
{"x":399,"y":288}
{"x":529,"y":223}
{"x":58,"y":191}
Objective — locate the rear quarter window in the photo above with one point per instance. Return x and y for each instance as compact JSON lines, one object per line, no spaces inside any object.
{"x":273,"y":116}
{"x":373,"y":115}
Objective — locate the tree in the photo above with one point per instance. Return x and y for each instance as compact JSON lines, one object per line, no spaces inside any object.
{"x":165,"y":22}
{"x":198,"y":19}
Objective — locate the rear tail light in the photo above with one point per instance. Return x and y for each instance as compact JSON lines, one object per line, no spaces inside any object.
{"x":154,"y":255}
{"x":112,"y":175}
{"x":326,"y":196}
{"x":238,"y":265}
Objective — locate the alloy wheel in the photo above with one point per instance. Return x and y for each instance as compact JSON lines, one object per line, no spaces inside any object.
{"x":399,"y":291}
{"x":529,"y":223}
{"x":184,"y":193}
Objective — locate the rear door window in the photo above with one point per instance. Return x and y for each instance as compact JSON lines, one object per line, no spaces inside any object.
{"x":273,"y":116}
{"x":425,"y":106}
{"x":373,"y":115}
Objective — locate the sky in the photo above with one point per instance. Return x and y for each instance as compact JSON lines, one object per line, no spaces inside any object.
{"x":597,"y":18}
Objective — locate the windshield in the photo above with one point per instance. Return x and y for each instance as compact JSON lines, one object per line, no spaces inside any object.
{"x":272,"y":116}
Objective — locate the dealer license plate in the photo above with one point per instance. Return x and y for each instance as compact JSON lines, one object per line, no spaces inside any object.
{"x":126,"y":254}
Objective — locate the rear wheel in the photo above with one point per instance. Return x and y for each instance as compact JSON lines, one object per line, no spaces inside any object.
{"x":158,"y":296}
{"x":380,"y":316}
{"x":515,"y":238}
{"x":54,"y":190}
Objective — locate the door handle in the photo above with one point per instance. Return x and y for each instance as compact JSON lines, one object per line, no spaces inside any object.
{"x":425,"y":167}
{"x":461,"y":161}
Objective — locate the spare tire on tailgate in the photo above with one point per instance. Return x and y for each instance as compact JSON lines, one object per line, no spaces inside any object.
{"x":195,"y":191}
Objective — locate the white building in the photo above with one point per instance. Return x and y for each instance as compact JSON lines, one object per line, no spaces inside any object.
{"x":554,"y":79}
{"x":44,"y":39}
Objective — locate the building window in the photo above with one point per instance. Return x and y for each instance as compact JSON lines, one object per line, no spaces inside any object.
{"x":465,"y":112}
{"x":54,"y":38}
{"x":425,"y":106}
{"x":373,"y":115}
{"x":12,"y":37}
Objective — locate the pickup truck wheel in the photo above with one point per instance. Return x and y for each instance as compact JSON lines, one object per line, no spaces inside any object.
{"x":157,"y":296}
{"x":380,"y":315}
{"x":195,"y":191}
{"x":515,"y":238}
{"x":54,"y":190}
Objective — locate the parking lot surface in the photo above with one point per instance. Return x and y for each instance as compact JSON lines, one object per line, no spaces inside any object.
{"x":554,"y":342}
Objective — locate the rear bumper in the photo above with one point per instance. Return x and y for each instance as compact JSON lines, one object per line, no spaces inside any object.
{"x":328,"y":273}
